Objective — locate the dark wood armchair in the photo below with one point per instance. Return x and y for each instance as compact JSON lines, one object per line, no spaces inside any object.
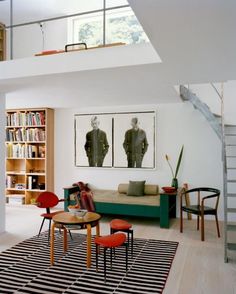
{"x":200,"y":209}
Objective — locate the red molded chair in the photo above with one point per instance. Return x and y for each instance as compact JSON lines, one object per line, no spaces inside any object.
{"x":120,"y":225}
{"x":111,"y":242}
{"x":47,"y":200}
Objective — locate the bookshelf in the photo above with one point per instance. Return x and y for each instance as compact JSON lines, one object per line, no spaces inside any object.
{"x":29,"y":154}
{"x":2,"y":42}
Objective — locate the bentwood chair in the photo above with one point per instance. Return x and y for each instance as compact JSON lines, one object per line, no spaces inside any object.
{"x":47,"y":200}
{"x":200,"y":209}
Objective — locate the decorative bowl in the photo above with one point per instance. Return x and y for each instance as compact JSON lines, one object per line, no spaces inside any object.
{"x":169,"y":189}
{"x":77,"y":211}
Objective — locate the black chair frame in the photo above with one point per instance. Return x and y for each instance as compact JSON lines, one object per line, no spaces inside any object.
{"x":200,"y":209}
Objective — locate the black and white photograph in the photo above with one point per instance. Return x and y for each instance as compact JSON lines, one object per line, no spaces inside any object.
{"x":134,"y":140}
{"x":93,"y":140}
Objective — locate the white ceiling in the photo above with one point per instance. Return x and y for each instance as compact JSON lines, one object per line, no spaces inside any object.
{"x":194,"y":38}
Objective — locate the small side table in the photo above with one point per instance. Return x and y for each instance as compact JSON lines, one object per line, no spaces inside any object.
{"x":167,"y":208}
{"x":67,"y":219}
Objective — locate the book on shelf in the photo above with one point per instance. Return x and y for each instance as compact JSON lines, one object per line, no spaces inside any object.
{"x":32,"y":182}
{"x":16,"y":199}
{"x":22,"y":134}
{"x":10,"y":182}
{"x":31,"y":151}
{"x":15,"y":150}
{"x":25,"y":118}
{"x":42,"y":151}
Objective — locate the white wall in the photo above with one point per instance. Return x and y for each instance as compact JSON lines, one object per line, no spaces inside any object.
{"x":2,"y":163}
{"x":177,"y":124}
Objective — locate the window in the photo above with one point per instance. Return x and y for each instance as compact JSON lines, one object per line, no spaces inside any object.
{"x":121,"y":25}
{"x":88,"y":29}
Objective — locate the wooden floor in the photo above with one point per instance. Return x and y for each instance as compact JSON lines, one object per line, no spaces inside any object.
{"x":198,"y":267}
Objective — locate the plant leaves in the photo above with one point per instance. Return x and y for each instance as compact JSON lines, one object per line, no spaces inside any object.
{"x":179,"y":161}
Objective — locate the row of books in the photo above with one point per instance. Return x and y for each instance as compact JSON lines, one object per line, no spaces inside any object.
{"x":24,"y":151}
{"x":20,"y":135}
{"x":32,"y":183}
{"x":26,"y":119}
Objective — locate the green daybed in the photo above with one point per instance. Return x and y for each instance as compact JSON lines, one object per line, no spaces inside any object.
{"x":152,"y":205}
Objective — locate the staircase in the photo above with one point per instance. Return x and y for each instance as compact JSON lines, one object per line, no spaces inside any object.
{"x":227,"y":135}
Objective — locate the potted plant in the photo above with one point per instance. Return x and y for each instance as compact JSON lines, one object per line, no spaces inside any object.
{"x":174,"y":182}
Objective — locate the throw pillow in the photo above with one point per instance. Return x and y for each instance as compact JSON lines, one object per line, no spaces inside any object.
{"x":136,"y":188}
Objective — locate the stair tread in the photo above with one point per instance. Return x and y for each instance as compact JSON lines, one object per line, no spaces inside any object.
{"x":231,"y":227}
{"x":230,"y":135}
{"x":231,"y":246}
{"x":230,"y":145}
{"x":233,"y":210}
{"x":231,"y":194}
{"x":231,"y":167}
{"x":231,"y":181}
{"x":231,"y":156}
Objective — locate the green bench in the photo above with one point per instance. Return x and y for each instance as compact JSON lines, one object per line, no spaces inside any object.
{"x":161,"y":205}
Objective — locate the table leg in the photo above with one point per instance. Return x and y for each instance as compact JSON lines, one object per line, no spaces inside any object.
{"x":52,"y":244}
{"x":89,"y":237}
{"x":65,"y":239}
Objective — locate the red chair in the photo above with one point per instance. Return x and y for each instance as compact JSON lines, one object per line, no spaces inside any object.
{"x":47,"y":200}
{"x":120,"y":225}
{"x":111,"y":242}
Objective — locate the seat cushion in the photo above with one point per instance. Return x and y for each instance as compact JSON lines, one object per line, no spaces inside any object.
{"x":120,"y":224}
{"x":51,"y":215}
{"x":111,"y":196}
{"x":109,"y":241}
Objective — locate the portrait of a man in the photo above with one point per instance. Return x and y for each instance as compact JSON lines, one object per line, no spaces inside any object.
{"x":96,"y":144}
{"x":135,"y":144}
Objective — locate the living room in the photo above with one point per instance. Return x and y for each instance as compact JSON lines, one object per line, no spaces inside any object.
{"x":119,"y":85}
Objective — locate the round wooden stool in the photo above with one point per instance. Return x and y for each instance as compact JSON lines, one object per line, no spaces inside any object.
{"x":119,"y":225}
{"x":111,"y":242}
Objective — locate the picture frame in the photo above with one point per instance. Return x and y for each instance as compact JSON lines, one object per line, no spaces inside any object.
{"x":116,"y":140}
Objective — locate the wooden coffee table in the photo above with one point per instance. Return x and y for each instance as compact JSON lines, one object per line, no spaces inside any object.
{"x":67,"y":219}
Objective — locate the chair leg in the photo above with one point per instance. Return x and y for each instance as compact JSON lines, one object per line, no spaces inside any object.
{"x":202,"y":228}
{"x":70,"y":235}
{"x":126,"y":257}
{"x":132,"y":242}
{"x":105,"y":265}
{"x":217,"y":226}
{"x":97,"y":249}
{"x":198,"y":222}
{"x":41,"y":226}
{"x":181,"y":220}
{"x":111,"y":256}
{"x":128,"y":236}
{"x":49,"y":230}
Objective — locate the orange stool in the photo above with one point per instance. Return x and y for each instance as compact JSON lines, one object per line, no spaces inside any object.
{"x":119,"y":225}
{"x":111,"y":242}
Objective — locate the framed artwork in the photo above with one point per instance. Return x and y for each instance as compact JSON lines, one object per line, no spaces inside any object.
{"x":93,"y":140}
{"x":116,"y":140}
{"x":134,"y":140}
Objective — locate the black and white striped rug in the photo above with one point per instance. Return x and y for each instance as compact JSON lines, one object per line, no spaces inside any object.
{"x":25,"y":268}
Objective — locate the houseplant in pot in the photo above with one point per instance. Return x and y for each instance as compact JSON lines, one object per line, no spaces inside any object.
{"x":174,"y":182}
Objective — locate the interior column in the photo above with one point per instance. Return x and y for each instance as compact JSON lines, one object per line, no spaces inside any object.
{"x":2,"y":163}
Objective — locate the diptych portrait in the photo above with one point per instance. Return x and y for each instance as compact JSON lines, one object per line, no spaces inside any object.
{"x":118,"y":140}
